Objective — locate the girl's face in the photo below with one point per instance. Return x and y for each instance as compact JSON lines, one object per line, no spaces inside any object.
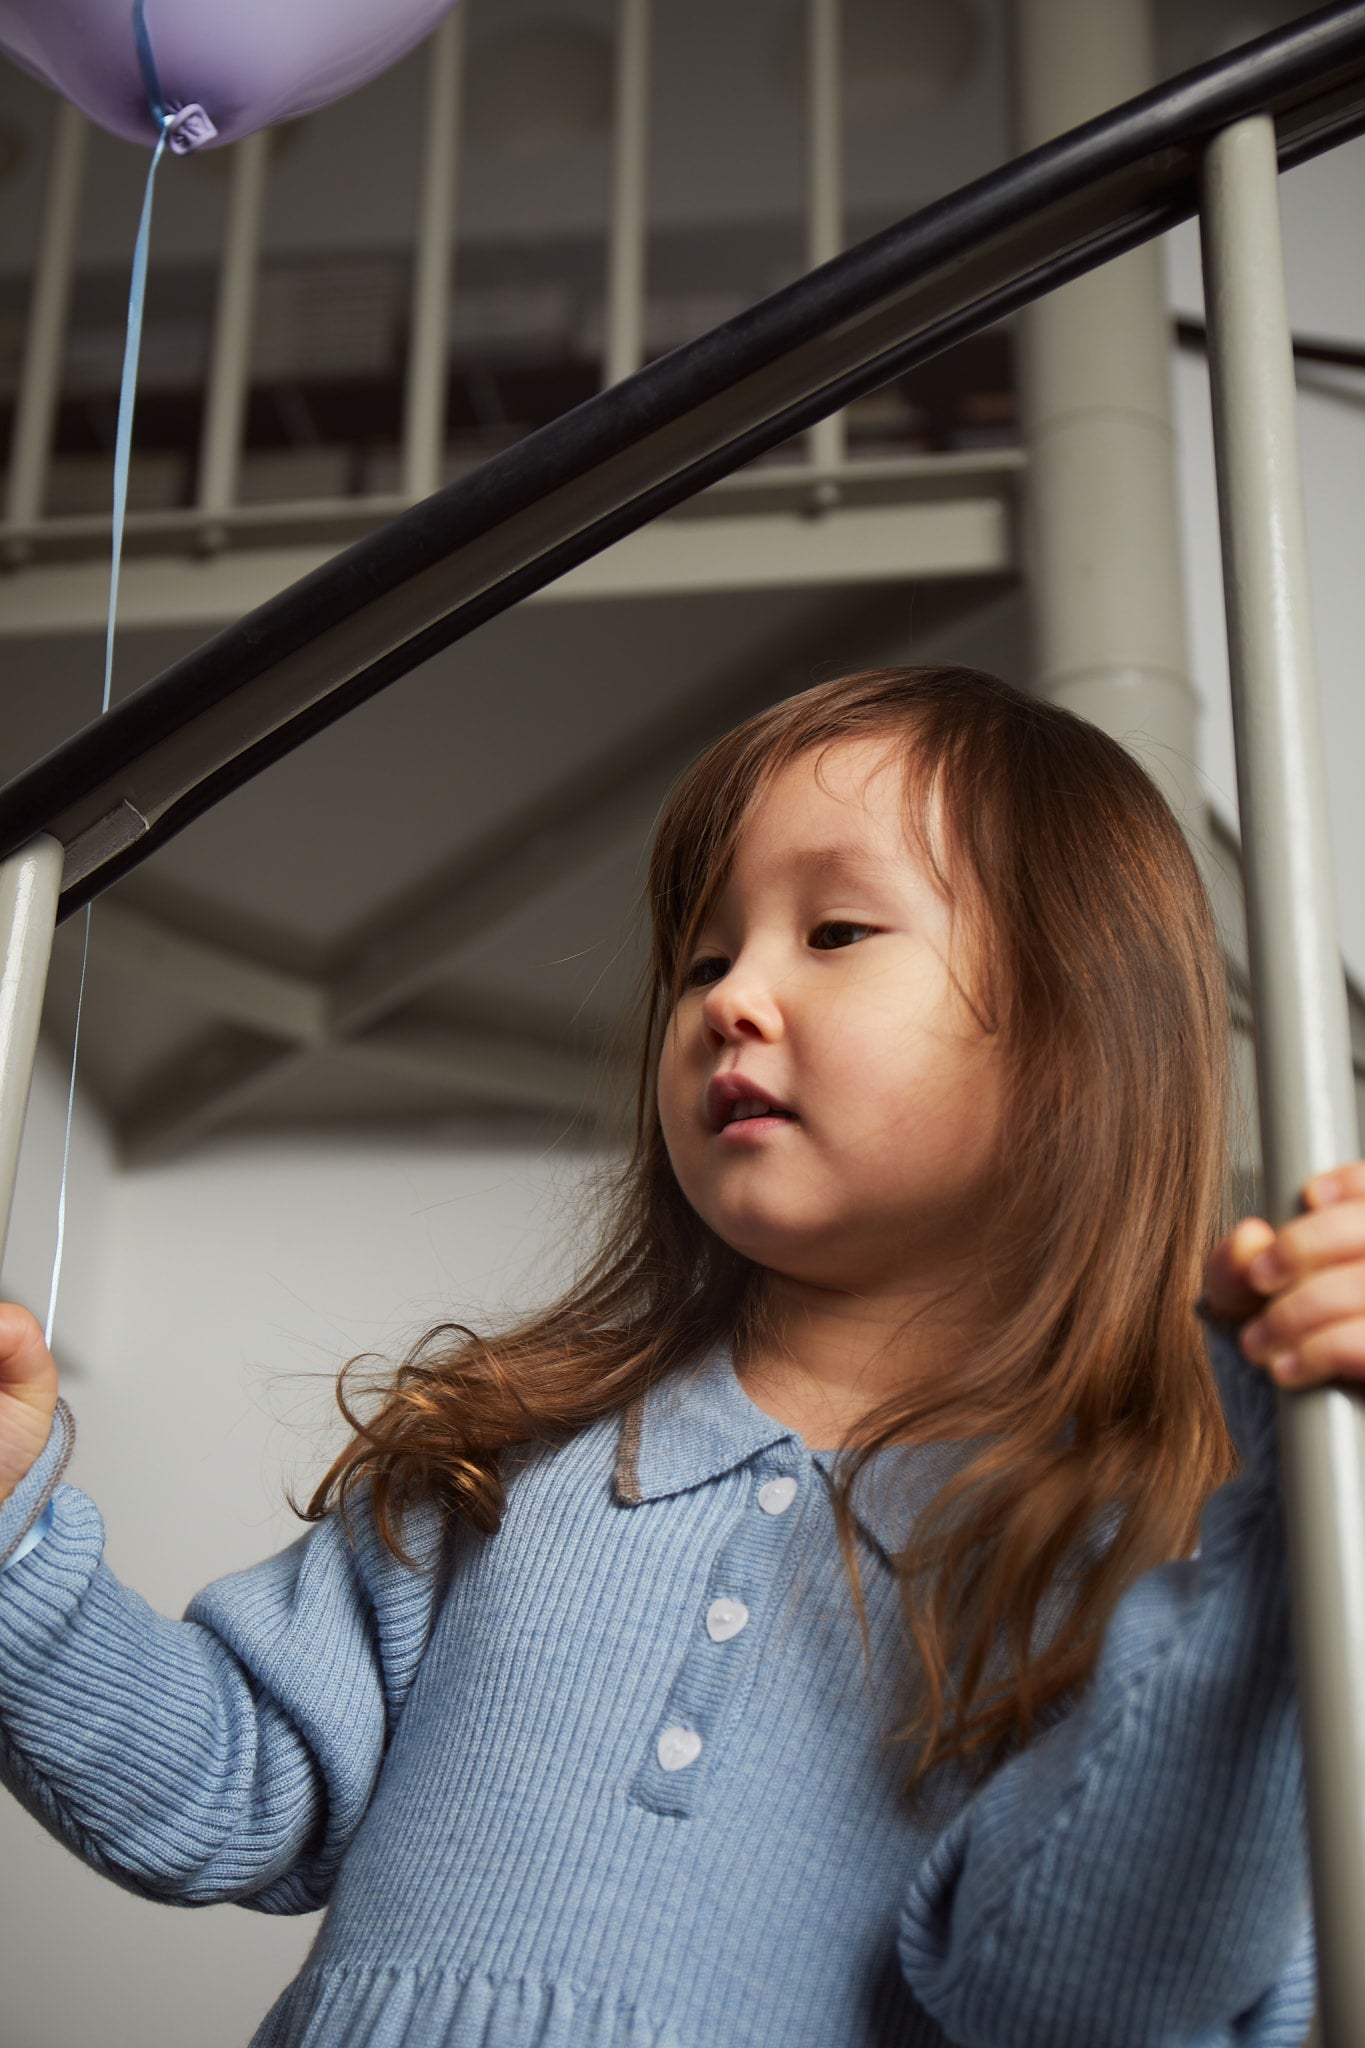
{"x":822,"y":979}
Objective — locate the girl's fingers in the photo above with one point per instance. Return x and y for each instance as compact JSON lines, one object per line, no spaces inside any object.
{"x":1238,"y":1277}
{"x":1336,"y":1352}
{"x":1332,"y":1299}
{"x":1322,"y":1237}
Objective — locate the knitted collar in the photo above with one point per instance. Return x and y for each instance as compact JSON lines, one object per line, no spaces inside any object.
{"x":698,"y":1422}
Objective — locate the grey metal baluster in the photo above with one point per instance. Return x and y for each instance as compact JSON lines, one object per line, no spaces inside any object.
{"x":229,"y":370}
{"x":30,"y":882}
{"x":433,"y":263}
{"x":1304,"y":1079}
{"x":824,"y":180}
{"x":623,"y":338}
{"x":40,"y":376}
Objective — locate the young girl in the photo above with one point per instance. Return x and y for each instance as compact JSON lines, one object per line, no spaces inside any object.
{"x":843,"y":1618}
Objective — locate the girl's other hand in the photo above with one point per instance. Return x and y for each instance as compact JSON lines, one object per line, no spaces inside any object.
{"x":1306,"y":1280}
{"x":28,"y":1394}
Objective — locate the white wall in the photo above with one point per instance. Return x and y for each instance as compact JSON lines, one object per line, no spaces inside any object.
{"x":217,"y":1296}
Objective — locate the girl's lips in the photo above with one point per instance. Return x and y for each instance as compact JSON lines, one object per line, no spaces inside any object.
{"x":726,"y":1091}
{"x":751,"y":1129}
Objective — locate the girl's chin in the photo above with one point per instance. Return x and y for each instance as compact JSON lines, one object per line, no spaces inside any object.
{"x":784,"y":1245}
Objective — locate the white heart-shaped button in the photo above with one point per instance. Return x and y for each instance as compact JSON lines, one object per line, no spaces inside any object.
{"x":777,"y":1496}
{"x":725,"y":1618}
{"x":679,"y":1747}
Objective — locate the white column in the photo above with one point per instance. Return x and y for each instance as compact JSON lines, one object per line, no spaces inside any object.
{"x":1101,"y":541}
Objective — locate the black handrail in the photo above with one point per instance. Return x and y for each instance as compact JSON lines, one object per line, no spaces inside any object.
{"x":125,"y":784}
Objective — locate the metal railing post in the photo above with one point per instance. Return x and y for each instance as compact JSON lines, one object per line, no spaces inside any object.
{"x":1303,"y":1048}
{"x":424,"y":413}
{"x":220,"y":453}
{"x":824,"y":166}
{"x":30,"y":882}
{"x":623,"y":340}
{"x":40,"y":376}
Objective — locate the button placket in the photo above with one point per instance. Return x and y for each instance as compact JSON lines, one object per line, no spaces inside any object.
{"x":716,"y":1675}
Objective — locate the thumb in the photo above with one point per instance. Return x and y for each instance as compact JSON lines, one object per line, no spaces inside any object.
{"x":1226,"y":1289}
{"x":28,"y":1394}
{"x":25,"y":1361}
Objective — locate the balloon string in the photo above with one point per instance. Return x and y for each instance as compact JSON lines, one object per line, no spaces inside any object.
{"x":123,"y":444}
{"x":147,"y":63}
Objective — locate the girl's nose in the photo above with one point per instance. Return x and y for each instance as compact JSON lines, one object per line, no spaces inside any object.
{"x":741,"y":1005}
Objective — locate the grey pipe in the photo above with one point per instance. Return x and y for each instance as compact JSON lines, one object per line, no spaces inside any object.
{"x":1303,"y":1048}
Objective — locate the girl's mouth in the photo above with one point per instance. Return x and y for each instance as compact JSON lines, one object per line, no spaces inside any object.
{"x":739,"y":1111}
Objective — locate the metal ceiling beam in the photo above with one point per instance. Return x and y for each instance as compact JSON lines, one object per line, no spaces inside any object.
{"x":581,"y":818}
{"x":519,"y":1071}
{"x":227,"y":1071}
{"x":274,"y":1021}
{"x":192,"y":1094}
{"x":413,"y":942}
{"x":224,"y":980}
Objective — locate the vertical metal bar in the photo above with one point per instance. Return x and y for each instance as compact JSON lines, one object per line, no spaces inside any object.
{"x":40,"y":375}
{"x":623,"y":341}
{"x":824,"y":162}
{"x":220,"y":449}
{"x":1303,"y":1047}
{"x":424,"y":419}
{"x":30,"y":882}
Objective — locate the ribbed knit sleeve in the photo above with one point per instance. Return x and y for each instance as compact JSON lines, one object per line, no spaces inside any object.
{"x":227,"y":1756}
{"x":1138,"y":1877}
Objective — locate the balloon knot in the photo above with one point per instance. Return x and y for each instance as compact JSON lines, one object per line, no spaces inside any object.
{"x":187,"y":129}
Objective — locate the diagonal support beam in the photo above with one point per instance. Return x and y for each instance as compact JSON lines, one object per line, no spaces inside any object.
{"x":225,"y":980}
{"x":263,"y":1006}
{"x":415,"y":942}
{"x":228,"y":1069}
{"x":571,"y":825}
{"x":516,"y":1068}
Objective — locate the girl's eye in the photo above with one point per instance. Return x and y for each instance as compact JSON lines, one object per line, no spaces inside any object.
{"x":838,"y":925}
{"x":698,"y":974}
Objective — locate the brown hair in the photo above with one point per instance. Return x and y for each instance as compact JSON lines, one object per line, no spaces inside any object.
{"x":1100,"y":964}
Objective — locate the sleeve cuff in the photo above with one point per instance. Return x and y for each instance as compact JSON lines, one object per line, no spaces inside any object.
{"x":25,"y":1517}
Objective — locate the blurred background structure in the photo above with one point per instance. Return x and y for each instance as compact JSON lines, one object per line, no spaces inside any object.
{"x":351,"y":1046}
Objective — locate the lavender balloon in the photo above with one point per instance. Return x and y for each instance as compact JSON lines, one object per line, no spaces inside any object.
{"x":244,"y":63}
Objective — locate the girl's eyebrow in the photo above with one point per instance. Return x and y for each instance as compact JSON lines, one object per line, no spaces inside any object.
{"x":851,"y":861}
